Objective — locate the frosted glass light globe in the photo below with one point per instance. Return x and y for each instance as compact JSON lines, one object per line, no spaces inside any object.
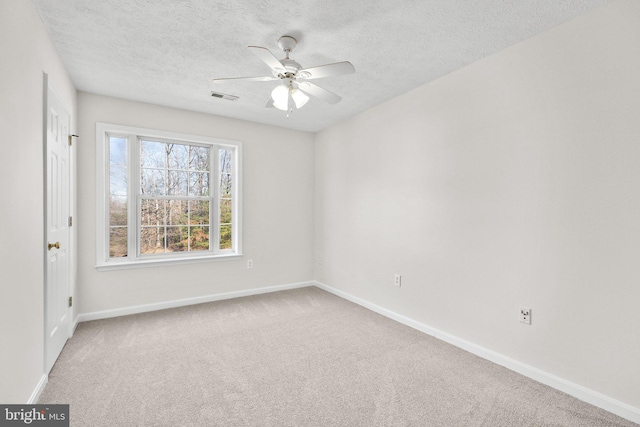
{"x":280,"y":96}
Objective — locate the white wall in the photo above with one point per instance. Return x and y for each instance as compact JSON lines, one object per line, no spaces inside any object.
{"x":512,"y":182}
{"x":277,"y":210}
{"x":26,"y":53}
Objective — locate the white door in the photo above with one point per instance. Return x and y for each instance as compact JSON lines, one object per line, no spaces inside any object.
{"x":58,"y":232}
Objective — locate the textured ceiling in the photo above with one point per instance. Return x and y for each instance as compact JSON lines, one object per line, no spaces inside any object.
{"x":167,"y":51}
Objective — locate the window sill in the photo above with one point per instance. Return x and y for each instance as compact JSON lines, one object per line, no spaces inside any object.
{"x":149,"y":263}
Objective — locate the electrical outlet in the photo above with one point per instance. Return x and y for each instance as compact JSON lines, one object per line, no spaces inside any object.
{"x":397,"y":280}
{"x":249,"y":263}
{"x":525,"y":316}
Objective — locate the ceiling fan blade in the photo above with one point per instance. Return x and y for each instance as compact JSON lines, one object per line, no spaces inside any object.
{"x":247,"y":79}
{"x":318,"y":92}
{"x":268,"y":58}
{"x":329,"y":70}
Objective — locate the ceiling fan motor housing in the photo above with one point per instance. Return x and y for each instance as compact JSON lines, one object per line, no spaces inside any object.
{"x":291,"y":66}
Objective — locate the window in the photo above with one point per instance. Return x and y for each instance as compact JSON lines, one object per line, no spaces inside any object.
{"x":165,"y":197}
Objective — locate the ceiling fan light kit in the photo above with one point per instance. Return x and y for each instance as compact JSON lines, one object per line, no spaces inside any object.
{"x":284,"y":93}
{"x":294,"y":90}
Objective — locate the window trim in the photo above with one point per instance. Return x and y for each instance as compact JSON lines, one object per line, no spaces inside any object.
{"x":134,"y":134}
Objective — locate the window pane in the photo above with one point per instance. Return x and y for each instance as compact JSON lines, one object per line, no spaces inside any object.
{"x":152,"y":182}
{"x":118,"y":210}
{"x":199,"y":239}
{"x":226,"y":163}
{"x":117,"y":242}
{"x":179,"y":235}
{"x":177,"y":212}
{"x":153,"y":154}
{"x":198,"y":184}
{"x":199,"y":158}
{"x":177,"y":239}
{"x":225,"y":237}
{"x":177,"y":183}
{"x":225,"y":211}
{"x":117,"y":150}
{"x":118,"y":180}
{"x":152,"y":212}
{"x":199,"y":212}
{"x":226,"y":204}
{"x":225,"y":185}
{"x":151,"y":240}
{"x":178,"y":156}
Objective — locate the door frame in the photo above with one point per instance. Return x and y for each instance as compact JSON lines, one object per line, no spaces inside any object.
{"x":72,"y":203}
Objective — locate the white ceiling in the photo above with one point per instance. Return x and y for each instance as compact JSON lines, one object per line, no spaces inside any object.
{"x":167,"y":51}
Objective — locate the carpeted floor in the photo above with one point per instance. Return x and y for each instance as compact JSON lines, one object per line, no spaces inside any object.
{"x":295,"y":358}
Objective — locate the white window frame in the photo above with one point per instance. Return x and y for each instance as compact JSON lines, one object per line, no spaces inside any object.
{"x":133,"y":136}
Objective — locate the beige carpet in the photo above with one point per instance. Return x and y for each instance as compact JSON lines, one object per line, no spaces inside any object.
{"x":295,"y":358}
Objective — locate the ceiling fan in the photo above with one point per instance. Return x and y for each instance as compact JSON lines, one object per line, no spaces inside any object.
{"x":294,"y":87}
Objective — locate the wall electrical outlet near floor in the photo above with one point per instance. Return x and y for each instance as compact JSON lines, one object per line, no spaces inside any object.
{"x":525,"y":316}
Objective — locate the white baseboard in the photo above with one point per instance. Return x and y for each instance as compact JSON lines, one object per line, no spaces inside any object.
{"x":597,"y":399}
{"x":105,"y":314}
{"x":33,"y":399}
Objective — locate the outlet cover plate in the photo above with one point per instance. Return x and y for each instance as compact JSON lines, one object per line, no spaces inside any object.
{"x":397,"y":280}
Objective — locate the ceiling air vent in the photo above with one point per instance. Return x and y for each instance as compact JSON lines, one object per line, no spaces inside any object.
{"x":224,"y":96}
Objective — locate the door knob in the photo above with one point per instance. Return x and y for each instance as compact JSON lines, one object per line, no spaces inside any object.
{"x":54,"y":245}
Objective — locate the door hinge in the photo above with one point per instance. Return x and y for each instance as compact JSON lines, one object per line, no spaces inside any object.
{"x":70,"y":301}
{"x":71,"y":139}
{"x":70,"y":221}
